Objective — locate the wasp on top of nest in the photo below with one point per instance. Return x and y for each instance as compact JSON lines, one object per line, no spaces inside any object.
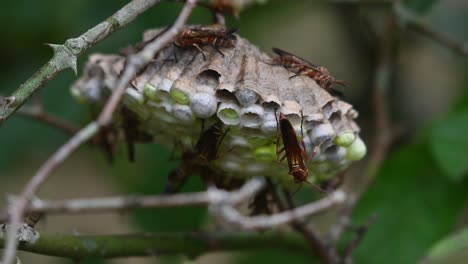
{"x":301,"y":66}
{"x":215,"y":35}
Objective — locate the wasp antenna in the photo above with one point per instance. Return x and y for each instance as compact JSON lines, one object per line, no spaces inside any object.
{"x":342,"y":83}
{"x":232,"y":31}
{"x":336,"y":93}
{"x":298,"y":188}
{"x":293,"y":76}
{"x":220,"y":52}
{"x":280,"y":51}
{"x":316,"y":186}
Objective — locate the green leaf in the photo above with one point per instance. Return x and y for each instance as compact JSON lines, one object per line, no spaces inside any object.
{"x":414,"y":205}
{"x":452,"y":249}
{"x":449,"y":145}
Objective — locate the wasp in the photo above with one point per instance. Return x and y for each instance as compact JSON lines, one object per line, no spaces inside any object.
{"x":132,"y":132}
{"x":295,"y":154}
{"x":216,"y":36}
{"x":205,"y":151}
{"x":319,"y":73}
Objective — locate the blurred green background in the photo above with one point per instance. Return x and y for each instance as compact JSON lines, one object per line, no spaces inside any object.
{"x":419,"y":196}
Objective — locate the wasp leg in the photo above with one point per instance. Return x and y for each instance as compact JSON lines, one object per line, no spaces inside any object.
{"x":219,"y":51}
{"x":293,"y":76}
{"x":200,"y":50}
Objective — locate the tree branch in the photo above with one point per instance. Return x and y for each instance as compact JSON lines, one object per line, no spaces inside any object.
{"x":360,"y":233}
{"x":121,"y":203}
{"x":66,"y":55}
{"x":192,"y":244}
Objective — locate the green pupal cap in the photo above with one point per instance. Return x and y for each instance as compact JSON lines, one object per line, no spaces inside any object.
{"x":357,"y":150}
{"x":345,"y":139}
{"x":180,"y":96}
{"x":150,"y":93}
{"x":265,"y":153}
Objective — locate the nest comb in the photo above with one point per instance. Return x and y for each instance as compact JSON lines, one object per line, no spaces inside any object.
{"x":170,"y":98}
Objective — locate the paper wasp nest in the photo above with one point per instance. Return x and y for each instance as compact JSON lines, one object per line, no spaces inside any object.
{"x":170,"y":98}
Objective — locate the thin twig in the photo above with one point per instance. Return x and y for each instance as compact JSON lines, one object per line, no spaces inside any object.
{"x":230,"y":215}
{"x":416,"y":23}
{"x":219,"y":18}
{"x":120,"y":203}
{"x":189,"y":243}
{"x":360,"y":233}
{"x":38,"y":113}
{"x":410,"y":20}
{"x":47,"y":118}
{"x":66,"y":55}
{"x":136,"y":62}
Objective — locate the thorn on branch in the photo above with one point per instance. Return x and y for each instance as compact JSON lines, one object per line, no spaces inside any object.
{"x":64,"y":58}
{"x":7,"y":102}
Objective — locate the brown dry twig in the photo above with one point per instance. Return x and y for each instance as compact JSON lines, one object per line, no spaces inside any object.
{"x":37,"y":112}
{"x":308,"y":232}
{"x":49,"y":119}
{"x":410,"y":20}
{"x":360,"y":233}
{"x":413,"y":22}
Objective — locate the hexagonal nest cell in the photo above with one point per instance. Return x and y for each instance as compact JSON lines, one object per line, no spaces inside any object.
{"x":174,"y":100}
